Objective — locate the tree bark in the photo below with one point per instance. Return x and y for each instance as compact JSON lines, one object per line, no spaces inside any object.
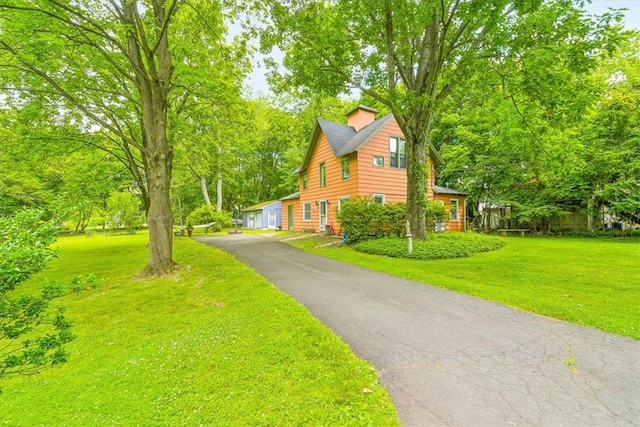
{"x":416,"y":187}
{"x":219,"y":183}
{"x":203,"y":189}
{"x":219,"y":193}
{"x":160,"y":216}
{"x":153,"y":70}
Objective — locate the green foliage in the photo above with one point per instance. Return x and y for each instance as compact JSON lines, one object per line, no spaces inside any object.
{"x":599,"y":234}
{"x":206,"y":214}
{"x":435,"y":213}
{"x":356,"y":218}
{"x":86,"y":178}
{"x":212,"y":344}
{"x":22,"y":181}
{"x":123,"y":210}
{"x":25,"y":247}
{"x":123,"y":86}
{"x":32,"y":333}
{"x":577,"y":154}
{"x":393,"y":219}
{"x":529,"y":59}
{"x":435,"y":246}
{"x":361,"y":217}
{"x":535,"y":215}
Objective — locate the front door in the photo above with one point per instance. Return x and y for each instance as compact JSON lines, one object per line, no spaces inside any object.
{"x":272,"y":220}
{"x":290,"y":217}
{"x":323,"y":214}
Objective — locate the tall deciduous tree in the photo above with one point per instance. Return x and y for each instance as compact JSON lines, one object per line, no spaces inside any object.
{"x":410,"y":55}
{"x":609,"y":169}
{"x":105,"y":65}
{"x":106,"y":69}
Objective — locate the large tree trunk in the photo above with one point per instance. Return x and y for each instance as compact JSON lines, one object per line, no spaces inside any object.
{"x":159,"y":157}
{"x":415,"y":127}
{"x":416,"y":187}
{"x":160,"y":216}
{"x":153,"y":70}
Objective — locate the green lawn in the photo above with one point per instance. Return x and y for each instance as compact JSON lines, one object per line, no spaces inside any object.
{"x":593,"y":282}
{"x":214,"y":344}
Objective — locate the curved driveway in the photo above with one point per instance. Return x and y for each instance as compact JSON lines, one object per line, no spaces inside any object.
{"x":452,"y":359}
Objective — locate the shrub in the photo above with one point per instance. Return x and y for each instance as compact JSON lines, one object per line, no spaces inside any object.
{"x":435,"y":246}
{"x":33,"y":335}
{"x":361,"y":217}
{"x":435,"y":213}
{"x":393,"y":217}
{"x":599,"y":234}
{"x":206,"y":214}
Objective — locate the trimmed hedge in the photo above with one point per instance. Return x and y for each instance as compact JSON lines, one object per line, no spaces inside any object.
{"x":361,"y":218}
{"x":436,"y":246}
{"x":633,"y":233}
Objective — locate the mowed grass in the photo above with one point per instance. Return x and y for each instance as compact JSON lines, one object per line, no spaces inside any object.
{"x":592,"y":282}
{"x":214,"y":344}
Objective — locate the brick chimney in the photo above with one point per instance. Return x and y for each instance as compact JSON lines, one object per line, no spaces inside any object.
{"x":361,"y":116}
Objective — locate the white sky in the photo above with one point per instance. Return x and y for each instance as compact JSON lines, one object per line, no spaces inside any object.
{"x":257,"y":84}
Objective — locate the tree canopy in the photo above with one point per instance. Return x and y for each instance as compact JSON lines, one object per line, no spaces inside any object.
{"x":117,"y":75}
{"x":410,"y":56}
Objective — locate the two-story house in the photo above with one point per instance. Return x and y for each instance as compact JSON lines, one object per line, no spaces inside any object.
{"x":364,"y":158}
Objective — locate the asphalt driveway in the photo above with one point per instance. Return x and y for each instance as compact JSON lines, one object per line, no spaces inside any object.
{"x":452,"y":359}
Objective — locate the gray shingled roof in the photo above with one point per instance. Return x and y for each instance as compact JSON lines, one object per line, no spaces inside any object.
{"x":444,"y":190}
{"x":292,"y":196}
{"x":361,"y":137}
{"x":344,"y":140}
{"x":337,"y":134}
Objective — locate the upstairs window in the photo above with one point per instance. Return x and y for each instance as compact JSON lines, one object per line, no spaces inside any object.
{"x":323,"y":175}
{"x":305,"y":181}
{"x":345,"y":169}
{"x":397,"y":152}
{"x":378,"y":161}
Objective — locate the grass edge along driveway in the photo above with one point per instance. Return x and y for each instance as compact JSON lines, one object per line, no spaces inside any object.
{"x":591,"y":282}
{"x":213,"y":344}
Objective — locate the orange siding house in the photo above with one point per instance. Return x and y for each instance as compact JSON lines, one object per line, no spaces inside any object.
{"x":364,"y":158}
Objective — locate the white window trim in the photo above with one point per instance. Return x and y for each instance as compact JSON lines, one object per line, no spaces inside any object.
{"x":397,"y":140}
{"x":348,"y":170}
{"x":304,"y":211}
{"x":321,"y":216}
{"x":452,"y":211}
{"x":380,"y":196}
